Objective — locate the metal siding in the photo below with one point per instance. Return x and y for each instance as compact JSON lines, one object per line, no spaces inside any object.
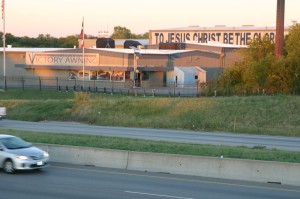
{"x":151,"y":60}
{"x":107,"y":58}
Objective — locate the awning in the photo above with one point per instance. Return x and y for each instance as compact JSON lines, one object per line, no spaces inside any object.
{"x":55,"y":67}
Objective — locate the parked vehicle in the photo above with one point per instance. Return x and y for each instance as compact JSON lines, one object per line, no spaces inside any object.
{"x":2,"y":112}
{"x":16,"y":154}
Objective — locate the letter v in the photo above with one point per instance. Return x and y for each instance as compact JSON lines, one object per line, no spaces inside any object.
{"x":31,"y":57}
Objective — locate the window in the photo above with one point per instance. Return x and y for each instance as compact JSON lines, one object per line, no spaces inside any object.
{"x":145,"y":76}
{"x":99,"y":75}
{"x":86,"y":74}
{"x":107,"y":75}
{"x":117,"y":76}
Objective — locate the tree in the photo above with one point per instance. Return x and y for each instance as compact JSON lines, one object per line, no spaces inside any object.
{"x":64,"y":42}
{"x":10,"y":39}
{"x":264,"y":71}
{"x":124,"y":33}
{"x":121,"y":33}
{"x":231,"y":80}
{"x":258,"y":71}
{"x":255,"y":66}
{"x":293,"y":57}
{"x":68,"y":42}
{"x":258,"y":49}
{"x":140,"y":36}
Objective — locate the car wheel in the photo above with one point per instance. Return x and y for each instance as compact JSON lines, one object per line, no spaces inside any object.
{"x":8,"y":166}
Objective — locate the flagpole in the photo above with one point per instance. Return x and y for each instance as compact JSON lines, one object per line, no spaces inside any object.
{"x":83,"y":63}
{"x":82,"y":46}
{"x":4,"y":44}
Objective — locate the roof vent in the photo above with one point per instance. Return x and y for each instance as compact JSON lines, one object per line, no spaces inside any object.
{"x":220,"y":26}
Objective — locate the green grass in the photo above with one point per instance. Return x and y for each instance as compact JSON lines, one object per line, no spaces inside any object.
{"x":271,"y":115}
{"x":35,"y":95}
{"x":255,"y":153}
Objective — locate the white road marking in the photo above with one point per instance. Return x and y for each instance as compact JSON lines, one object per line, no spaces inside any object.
{"x":150,"y":194}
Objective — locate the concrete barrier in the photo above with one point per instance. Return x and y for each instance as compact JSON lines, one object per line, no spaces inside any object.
{"x":86,"y":156}
{"x":237,"y":169}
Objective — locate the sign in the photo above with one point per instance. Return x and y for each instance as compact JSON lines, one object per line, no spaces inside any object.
{"x":62,"y":59}
{"x":225,"y":37}
{"x":103,"y":33}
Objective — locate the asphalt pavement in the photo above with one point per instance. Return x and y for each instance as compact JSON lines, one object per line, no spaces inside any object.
{"x":67,"y":181}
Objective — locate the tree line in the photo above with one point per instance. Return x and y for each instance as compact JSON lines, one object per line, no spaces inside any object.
{"x":261,"y":72}
{"x":48,"y":41}
{"x":42,"y":41}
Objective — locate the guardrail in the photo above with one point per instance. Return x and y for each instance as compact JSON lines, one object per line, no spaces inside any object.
{"x":236,"y":169}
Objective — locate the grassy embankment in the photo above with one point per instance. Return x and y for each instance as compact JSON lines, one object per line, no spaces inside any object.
{"x":273,"y":115}
{"x":276,"y":115}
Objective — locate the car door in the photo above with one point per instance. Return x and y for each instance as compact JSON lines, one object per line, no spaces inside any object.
{"x":2,"y":154}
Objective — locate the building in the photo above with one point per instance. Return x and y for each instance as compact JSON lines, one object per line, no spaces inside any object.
{"x":213,"y":58}
{"x":102,"y":66}
{"x":189,"y":55}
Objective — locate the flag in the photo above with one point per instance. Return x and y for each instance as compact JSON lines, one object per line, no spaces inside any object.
{"x":3,"y":8}
{"x":82,"y":34}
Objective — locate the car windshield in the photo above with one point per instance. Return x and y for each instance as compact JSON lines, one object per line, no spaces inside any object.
{"x":14,"y":143}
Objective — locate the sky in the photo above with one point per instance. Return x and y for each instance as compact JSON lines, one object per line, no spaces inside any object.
{"x":61,"y":18}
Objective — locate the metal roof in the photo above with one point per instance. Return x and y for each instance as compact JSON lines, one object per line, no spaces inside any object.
{"x":189,"y":69}
{"x":117,"y":50}
{"x":144,"y":51}
{"x":221,"y":28}
{"x":13,"y":49}
{"x":217,"y":44}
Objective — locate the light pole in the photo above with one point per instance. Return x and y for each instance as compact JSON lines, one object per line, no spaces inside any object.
{"x":136,"y":57}
{"x":4,"y":44}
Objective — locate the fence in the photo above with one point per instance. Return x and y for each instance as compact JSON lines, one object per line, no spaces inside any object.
{"x":125,"y":87}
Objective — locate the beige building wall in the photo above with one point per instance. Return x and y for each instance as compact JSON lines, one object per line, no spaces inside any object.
{"x":152,"y":60}
{"x":107,"y":58}
{"x":155,"y":79}
{"x":11,"y":59}
{"x":197,"y":58}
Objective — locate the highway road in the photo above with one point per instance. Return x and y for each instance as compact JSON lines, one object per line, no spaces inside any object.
{"x":180,"y":136}
{"x":64,"y":181}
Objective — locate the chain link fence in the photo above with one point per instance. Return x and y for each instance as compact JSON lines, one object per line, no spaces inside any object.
{"x":124,"y":87}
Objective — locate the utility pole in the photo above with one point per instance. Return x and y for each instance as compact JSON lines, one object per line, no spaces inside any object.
{"x":279,"y":42}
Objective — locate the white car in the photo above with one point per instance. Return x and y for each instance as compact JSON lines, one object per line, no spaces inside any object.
{"x":16,"y":154}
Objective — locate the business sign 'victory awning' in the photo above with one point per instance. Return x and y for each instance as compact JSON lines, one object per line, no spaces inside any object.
{"x":62,"y":59}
